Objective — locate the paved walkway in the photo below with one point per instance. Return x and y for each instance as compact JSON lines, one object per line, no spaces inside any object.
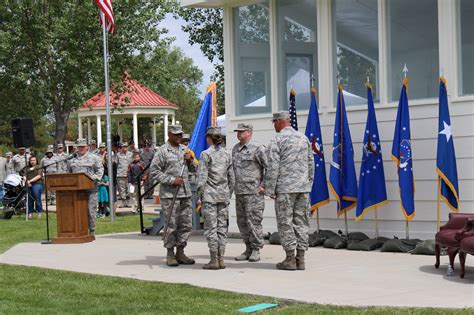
{"x":338,"y":277}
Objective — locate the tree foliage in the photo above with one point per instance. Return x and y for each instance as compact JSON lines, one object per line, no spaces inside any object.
{"x":51,"y":57}
{"x":205,"y":28}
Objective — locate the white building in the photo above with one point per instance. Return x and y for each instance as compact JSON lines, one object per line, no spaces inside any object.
{"x":272,"y":45}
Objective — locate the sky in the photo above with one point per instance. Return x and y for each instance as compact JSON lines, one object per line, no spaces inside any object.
{"x":192,"y":51}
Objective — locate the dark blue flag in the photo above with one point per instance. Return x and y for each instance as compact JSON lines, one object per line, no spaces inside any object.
{"x":446,"y":158}
{"x":402,"y":155}
{"x":342,"y":175}
{"x":292,"y":110}
{"x":372,"y":191}
{"x":319,"y":194}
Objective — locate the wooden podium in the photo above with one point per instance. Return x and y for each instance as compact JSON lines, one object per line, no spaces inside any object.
{"x":71,"y":206}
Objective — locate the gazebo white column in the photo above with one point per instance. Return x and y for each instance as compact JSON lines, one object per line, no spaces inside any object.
{"x":135,"y":129}
{"x":165,"y":123}
{"x":153,"y":133}
{"x":99,"y":131}
{"x":79,"y":127}
{"x":88,"y":130}
{"x":173,"y":119}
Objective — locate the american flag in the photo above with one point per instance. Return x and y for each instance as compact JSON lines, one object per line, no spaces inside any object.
{"x":292,"y":109}
{"x":106,"y":7}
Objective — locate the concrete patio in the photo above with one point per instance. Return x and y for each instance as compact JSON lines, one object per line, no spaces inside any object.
{"x":338,"y":277}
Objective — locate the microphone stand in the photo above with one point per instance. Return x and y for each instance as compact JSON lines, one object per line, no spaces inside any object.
{"x":48,"y":241}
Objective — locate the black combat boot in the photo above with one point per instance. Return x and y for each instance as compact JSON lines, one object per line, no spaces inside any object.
{"x":289,"y":263}
{"x":246,"y":254}
{"x":181,"y":258}
{"x":300,"y":259}
{"x":212,"y":264}
{"x":170,"y":259}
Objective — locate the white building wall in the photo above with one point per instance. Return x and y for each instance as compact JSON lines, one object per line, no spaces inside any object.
{"x":424,"y":124}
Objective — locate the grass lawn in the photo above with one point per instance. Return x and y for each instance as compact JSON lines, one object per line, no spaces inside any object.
{"x":30,"y":290}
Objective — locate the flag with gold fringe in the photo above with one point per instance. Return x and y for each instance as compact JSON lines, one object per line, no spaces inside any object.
{"x":319,"y":194}
{"x":342,"y":175}
{"x":372,"y":191}
{"x":446,"y":157}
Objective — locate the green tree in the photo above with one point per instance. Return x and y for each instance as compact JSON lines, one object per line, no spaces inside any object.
{"x":205,"y":28}
{"x":51,"y":53}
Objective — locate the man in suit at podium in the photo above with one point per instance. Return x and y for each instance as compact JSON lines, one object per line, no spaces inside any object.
{"x":85,"y":162}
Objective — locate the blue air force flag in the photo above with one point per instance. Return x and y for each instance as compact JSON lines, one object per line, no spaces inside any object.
{"x":319,"y":194}
{"x":446,"y":158}
{"x":402,"y":155}
{"x":372,"y":192}
{"x":198,"y":141}
{"x":342,"y":175}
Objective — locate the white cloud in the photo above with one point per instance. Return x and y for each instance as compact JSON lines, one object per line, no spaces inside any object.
{"x":192,"y":51}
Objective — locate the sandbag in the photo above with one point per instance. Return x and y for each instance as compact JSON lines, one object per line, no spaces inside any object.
{"x":399,"y":245}
{"x":274,"y":239}
{"x":336,"y":242}
{"x":424,"y":248}
{"x":318,"y":238}
{"x":357,"y":236}
{"x":366,"y":245}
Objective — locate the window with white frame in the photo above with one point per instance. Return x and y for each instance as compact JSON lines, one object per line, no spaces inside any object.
{"x":297,"y":50}
{"x":413,"y":40}
{"x":357,"y":51}
{"x":252,"y":58}
{"x":466,"y":69}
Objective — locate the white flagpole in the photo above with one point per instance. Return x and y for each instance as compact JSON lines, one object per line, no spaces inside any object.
{"x":107,"y":106}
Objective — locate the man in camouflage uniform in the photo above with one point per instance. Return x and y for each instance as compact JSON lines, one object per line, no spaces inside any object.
{"x":86,"y":162}
{"x":166,"y":168}
{"x":288,"y":180}
{"x":9,"y":169}
{"x":49,"y":165}
{"x":215,"y":180}
{"x":61,"y":158}
{"x":124,"y":158}
{"x":93,"y":147}
{"x":147,"y":156}
{"x":250,"y":161}
{"x":20,"y":160}
{"x":101,"y":152}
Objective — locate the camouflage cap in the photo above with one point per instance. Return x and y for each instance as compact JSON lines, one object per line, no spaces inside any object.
{"x":102,"y":145}
{"x":9,"y":153}
{"x":147,"y":143}
{"x":60,"y":145}
{"x":81,"y":142}
{"x":175,"y":129}
{"x":123,"y":144}
{"x":281,"y":116}
{"x":213,"y":131}
{"x":21,"y":148}
{"x":50,"y":149}
{"x":244,"y":127}
{"x":92,"y":142}
{"x":186,"y":136}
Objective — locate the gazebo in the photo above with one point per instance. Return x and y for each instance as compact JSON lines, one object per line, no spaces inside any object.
{"x":136,"y":101}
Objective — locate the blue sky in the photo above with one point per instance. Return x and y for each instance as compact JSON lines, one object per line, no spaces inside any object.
{"x":192,"y":51}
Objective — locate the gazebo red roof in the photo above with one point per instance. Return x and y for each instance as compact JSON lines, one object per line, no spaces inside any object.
{"x":139,"y":95}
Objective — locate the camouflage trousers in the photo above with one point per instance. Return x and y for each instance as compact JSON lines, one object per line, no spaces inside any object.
{"x":249,"y":209}
{"x":122,"y":183}
{"x":92,"y":207}
{"x":292,"y":212}
{"x":180,"y":224}
{"x":215,"y":224}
